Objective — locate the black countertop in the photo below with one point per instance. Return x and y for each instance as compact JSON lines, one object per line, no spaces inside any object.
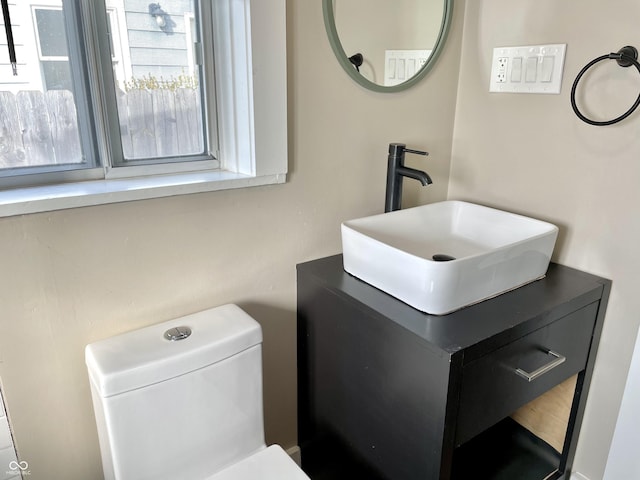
{"x":478,"y":328}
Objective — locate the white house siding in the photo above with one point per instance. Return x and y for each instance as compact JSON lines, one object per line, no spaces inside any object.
{"x":141,"y":48}
{"x":152,"y":51}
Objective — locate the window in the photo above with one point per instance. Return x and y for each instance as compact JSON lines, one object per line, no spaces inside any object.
{"x":113,"y":89}
{"x":160,"y":107}
{"x":154,"y":115}
{"x":51,"y":40}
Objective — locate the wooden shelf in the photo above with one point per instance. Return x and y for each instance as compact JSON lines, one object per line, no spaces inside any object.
{"x":504,"y":452}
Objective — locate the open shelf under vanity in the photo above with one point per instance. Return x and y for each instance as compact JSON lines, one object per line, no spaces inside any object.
{"x":504,"y":452}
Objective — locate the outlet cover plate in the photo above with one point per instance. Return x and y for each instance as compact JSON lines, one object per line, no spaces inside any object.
{"x":527,"y":69}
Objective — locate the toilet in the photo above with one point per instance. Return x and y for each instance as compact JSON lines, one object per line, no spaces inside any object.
{"x":183,"y":400}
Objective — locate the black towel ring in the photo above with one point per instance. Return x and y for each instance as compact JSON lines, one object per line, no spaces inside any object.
{"x":625,"y":57}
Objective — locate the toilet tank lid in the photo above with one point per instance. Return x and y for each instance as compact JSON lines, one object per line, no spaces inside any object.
{"x":143,"y":357}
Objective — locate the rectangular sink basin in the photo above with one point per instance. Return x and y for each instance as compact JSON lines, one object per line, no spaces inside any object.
{"x":487,"y":252}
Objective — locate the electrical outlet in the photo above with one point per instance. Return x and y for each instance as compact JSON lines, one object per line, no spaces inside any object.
{"x":501,"y":69}
{"x":501,"y":75}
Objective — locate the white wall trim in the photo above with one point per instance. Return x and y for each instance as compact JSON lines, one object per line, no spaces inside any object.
{"x":295,"y":454}
{"x":623,"y":460}
{"x":47,"y":198}
{"x":578,"y":476}
{"x":252,"y":85}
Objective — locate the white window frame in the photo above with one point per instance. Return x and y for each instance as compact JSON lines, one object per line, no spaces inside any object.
{"x":189,"y":18}
{"x":121,"y":57}
{"x":252,"y":125}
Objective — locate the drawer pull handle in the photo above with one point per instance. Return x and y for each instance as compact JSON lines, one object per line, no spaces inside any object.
{"x":530,"y":377}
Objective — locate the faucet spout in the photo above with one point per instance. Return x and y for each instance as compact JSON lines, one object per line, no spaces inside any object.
{"x":422,"y":177}
{"x":396,"y":170}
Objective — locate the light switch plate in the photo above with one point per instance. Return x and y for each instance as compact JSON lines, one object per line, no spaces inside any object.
{"x":527,"y":69}
{"x":401,"y":65}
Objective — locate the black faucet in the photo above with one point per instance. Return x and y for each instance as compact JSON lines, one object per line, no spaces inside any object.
{"x":396,"y":170}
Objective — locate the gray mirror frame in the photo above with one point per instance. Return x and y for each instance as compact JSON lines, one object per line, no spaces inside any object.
{"x":336,"y":46}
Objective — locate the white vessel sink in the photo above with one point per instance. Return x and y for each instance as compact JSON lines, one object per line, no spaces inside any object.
{"x":493,"y":251}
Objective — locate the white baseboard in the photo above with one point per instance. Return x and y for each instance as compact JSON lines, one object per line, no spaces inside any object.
{"x":294,"y":453}
{"x":578,"y":476}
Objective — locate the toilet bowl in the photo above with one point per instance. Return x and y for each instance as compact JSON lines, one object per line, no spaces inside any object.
{"x":272,"y":463}
{"x":183,"y":400}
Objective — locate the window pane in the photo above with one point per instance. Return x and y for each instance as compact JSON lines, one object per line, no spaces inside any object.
{"x":159,"y":100}
{"x":57,"y":75}
{"x":38,"y":116}
{"x":51,"y":33}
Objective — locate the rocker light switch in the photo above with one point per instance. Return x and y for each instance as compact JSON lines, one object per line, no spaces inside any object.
{"x":401,"y":65}
{"x":546,"y":73}
{"x":532,"y":70}
{"x":527,"y":69}
{"x":516,"y":70}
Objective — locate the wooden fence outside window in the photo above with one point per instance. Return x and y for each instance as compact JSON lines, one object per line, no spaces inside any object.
{"x":39,"y":128}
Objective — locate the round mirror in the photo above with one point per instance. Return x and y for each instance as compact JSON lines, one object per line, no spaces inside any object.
{"x":387,"y":45}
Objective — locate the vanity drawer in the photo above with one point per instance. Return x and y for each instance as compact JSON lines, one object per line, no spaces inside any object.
{"x":494,"y":386}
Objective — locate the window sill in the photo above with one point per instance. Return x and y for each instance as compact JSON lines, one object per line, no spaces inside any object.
{"x":99,"y":192}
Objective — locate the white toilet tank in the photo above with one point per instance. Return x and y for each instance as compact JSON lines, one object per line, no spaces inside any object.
{"x":170,"y":409}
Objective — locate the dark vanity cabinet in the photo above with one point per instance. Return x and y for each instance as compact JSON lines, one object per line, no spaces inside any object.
{"x":389,"y":393}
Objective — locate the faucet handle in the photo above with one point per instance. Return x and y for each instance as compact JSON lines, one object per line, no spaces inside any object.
{"x":417,"y":152}
{"x":397,"y":151}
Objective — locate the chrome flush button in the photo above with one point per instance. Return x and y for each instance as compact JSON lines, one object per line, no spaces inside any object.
{"x":177,"y":333}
